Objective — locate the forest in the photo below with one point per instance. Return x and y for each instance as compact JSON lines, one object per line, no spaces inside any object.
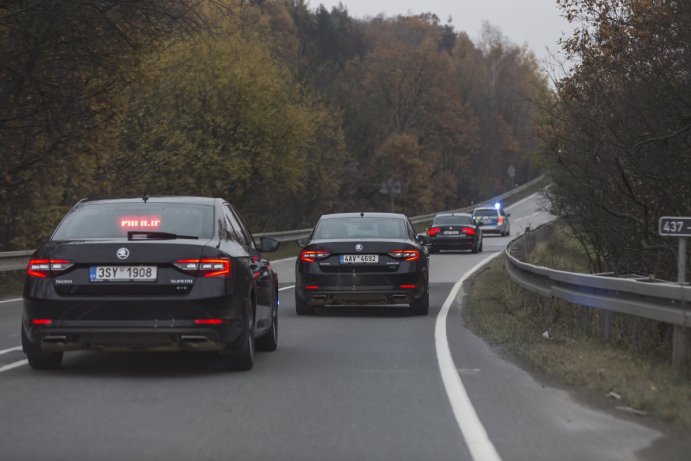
{"x":285,"y":109}
{"x":290,"y":110}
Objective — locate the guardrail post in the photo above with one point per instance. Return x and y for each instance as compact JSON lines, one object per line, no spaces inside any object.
{"x":680,"y":335}
{"x":606,"y":324}
{"x":680,"y":347}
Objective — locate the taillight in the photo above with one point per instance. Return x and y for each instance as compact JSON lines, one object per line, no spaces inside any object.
{"x":405,"y":255}
{"x":500,"y":220}
{"x":408,"y":287}
{"x":43,"y":268}
{"x":311,"y":287}
{"x":212,"y":321}
{"x":41,"y":322}
{"x":310,"y":256}
{"x":205,"y":267}
{"x":468,"y":230}
{"x":433,"y":231}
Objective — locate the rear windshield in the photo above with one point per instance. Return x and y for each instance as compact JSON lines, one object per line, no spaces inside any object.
{"x":357,"y":227}
{"x":114,"y":220}
{"x":452,"y":220}
{"x":487,"y":212}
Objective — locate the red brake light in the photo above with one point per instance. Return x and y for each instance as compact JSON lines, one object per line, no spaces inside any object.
{"x":433,"y":231}
{"x":208,"y":321}
{"x":405,"y":255}
{"x":310,"y":256}
{"x":311,"y":287}
{"x":205,"y":267}
{"x":43,"y":322}
{"x":468,"y":230}
{"x":408,"y":287}
{"x":500,"y":220}
{"x":43,"y":268}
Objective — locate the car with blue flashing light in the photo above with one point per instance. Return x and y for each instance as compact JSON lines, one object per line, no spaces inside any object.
{"x":493,"y":219}
{"x":162,"y":274}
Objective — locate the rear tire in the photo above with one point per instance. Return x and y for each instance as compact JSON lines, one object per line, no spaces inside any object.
{"x":243,"y":359}
{"x":39,"y":360}
{"x":301,"y":306}
{"x":45,"y":361}
{"x":421,"y":306}
{"x":269,"y":342}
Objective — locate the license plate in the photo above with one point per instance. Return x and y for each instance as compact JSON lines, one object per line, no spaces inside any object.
{"x":359,"y":259}
{"x":122,"y":273}
{"x":451,"y":232}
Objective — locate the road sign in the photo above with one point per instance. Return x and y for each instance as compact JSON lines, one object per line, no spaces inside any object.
{"x":675,"y":226}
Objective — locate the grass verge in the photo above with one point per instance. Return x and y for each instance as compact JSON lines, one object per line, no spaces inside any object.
{"x":515,"y":320}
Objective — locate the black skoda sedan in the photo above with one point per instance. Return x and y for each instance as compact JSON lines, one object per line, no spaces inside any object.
{"x":151,"y":274}
{"x":454,"y":231}
{"x":362,"y":258}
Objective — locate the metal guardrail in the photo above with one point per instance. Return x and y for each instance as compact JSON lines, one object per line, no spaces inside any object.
{"x":14,"y":260}
{"x":641,"y":297}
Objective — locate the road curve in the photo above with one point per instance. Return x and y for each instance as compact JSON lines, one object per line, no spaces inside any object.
{"x":347,"y":383}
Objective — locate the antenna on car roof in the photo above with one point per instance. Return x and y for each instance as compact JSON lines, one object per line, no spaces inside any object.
{"x":362,"y":214}
{"x":145,"y":197}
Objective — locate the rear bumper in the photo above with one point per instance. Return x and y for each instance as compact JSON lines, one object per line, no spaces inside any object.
{"x":352,"y":290}
{"x":57,"y":339}
{"x":494,"y":229}
{"x":133,"y":325}
{"x":452,"y":244}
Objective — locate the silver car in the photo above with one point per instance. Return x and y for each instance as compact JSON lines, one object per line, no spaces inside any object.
{"x":494,"y":220}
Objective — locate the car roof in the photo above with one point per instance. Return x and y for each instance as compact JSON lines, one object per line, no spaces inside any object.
{"x":153,"y":199}
{"x":485,"y":208}
{"x":453,"y":214}
{"x":363,"y":215}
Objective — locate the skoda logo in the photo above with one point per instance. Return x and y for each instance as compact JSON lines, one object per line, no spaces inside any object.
{"x":123,"y":253}
{"x":358,"y":247}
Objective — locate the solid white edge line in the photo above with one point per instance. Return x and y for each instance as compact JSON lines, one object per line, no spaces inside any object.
{"x":11,"y":349}
{"x":474,"y":433}
{"x":10,"y":300}
{"x":13,"y":365}
{"x":286,"y":288}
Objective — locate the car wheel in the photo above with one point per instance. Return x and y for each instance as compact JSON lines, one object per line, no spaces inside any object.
{"x":480,"y":246}
{"x":420,"y":306}
{"x":476,"y":248}
{"x":243,"y":359}
{"x":37,"y":359}
{"x":301,"y":306}
{"x":269,"y":342}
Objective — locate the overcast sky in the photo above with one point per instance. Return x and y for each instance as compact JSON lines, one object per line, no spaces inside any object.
{"x":537,"y":23}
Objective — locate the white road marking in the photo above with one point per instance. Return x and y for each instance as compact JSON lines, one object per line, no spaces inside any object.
{"x":481,"y":448}
{"x":10,"y":300}
{"x":11,"y":349}
{"x":286,"y":288}
{"x":14,"y":365}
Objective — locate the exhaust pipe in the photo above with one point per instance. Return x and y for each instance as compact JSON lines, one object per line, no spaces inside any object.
{"x":194,"y":339}
{"x":54,"y":339}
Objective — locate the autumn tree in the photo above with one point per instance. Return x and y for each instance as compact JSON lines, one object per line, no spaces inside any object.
{"x":63,"y":63}
{"x":619,"y":148}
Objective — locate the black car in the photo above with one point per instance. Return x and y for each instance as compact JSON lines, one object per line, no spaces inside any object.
{"x":151,"y":274}
{"x":454,"y":231}
{"x":362,"y":258}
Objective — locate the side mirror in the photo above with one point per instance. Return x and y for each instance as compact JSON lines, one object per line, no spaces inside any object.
{"x":303,"y":242}
{"x":422,"y":239}
{"x":268,"y":245}
{"x":508,"y":215}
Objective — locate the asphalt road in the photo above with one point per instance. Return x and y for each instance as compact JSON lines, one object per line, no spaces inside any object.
{"x":348,"y":383}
